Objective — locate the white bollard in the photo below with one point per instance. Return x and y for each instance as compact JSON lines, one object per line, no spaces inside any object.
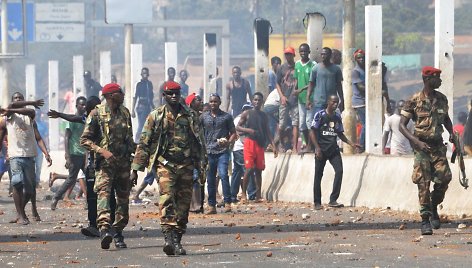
{"x":444,"y":48}
{"x":171,"y":56}
{"x":225,"y":70}
{"x":105,"y":67}
{"x":30,"y":82}
{"x":373,"y":81}
{"x":78,"y":75}
{"x":136,"y":66}
{"x":209,"y":63}
{"x":261,"y":50}
{"x":53,"y":78}
{"x":314,"y":34}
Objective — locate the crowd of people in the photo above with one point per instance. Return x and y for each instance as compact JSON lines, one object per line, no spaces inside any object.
{"x":184,"y":144}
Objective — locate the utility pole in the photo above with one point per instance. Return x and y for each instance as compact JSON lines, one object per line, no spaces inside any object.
{"x":348,"y":64}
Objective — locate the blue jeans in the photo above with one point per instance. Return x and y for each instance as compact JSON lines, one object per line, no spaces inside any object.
{"x":272,"y":112}
{"x":22,"y":173}
{"x":38,"y":165}
{"x":142,"y":115}
{"x":238,"y":173}
{"x":77,"y":162}
{"x":305,"y":116}
{"x":150,"y":176}
{"x":218,"y":162}
{"x":361,"y":114}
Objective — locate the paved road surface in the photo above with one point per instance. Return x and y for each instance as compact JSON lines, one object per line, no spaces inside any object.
{"x":254,"y":235}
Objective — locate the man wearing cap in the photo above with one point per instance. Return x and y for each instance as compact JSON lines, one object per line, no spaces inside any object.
{"x":194,"y":102}
{"x":238,"y":162}
{"x":172,"y":144}
{"x":92,"y":87}
{"x":429,"y":110}
{"x":143,"y":100}
{"x":108,"y":134}
{"x":287,"y":88}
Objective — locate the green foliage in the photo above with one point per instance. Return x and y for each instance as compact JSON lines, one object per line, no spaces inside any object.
{"x":463,"y":19}
{"x":406,"y":43}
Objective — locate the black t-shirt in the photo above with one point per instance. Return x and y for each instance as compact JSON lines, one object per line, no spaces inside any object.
{"x":144,"y":93}
{"x":256,"y":120}
{"x":92,"y":88}
{"x":327,"y":128}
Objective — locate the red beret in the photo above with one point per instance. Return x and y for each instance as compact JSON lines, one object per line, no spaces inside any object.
{"x":111,"y":88}
{"x":289,"y":50}
{"x":190,"y":98}
{"x":359,"y":51}
{"x":171,"y":85}
{"x":430,"y":71}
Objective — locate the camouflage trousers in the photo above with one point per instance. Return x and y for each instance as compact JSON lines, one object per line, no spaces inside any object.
{"x":431,"y":167}
{"x":117,"y":177}
{"x":175,"y":186}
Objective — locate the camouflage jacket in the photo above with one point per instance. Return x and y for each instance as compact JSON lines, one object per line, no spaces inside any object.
{"x":428,"y":115}
{"x":154,"y":143}
{"x":111,"y":133}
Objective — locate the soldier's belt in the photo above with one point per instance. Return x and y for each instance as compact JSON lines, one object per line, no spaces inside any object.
{"x":433,"y":142}
{"x":170,"y":164}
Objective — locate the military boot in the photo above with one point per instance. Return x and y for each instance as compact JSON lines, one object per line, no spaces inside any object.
{"x":169,"y":248}
{"x":119,"y":240}
{"x":105,"y":238}
{"x":426,"y":225}
{"x":435,"y":221}
{"x":179,"y":250}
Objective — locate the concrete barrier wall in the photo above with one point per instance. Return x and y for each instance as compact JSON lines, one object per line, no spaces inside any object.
{"x":369,"y":180}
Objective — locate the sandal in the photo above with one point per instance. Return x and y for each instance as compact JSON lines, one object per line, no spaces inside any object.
{"x":51,"y":179}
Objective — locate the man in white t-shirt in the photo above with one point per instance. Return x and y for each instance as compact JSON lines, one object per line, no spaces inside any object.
{"x":399,"y":145}
{"x":23,"y":137}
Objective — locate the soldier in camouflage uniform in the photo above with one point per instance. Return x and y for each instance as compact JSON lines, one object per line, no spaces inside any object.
{"x":108,"y":134}
{"x":429,"y":109}
{"x":171,"y":143}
